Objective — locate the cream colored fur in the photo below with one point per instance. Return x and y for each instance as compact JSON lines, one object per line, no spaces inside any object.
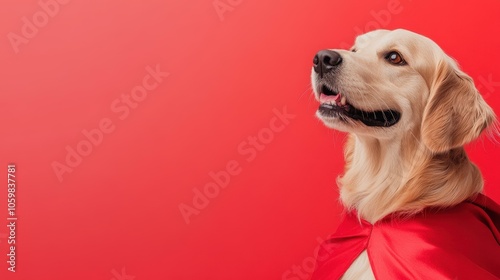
{"x":420,"y":161}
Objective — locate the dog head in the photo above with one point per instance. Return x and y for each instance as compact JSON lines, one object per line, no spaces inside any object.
{"x":394,"y":82}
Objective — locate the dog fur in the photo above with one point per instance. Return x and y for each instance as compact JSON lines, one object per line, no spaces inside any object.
{"x":420,"y":161}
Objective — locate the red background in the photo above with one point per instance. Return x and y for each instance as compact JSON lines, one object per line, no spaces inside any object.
{"x":119,"y":208}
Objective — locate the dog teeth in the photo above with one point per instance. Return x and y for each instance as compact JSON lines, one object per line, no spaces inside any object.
{"x":343,"y":100}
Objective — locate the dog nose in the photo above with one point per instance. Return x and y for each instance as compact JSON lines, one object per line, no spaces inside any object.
{"x":325,"y":61}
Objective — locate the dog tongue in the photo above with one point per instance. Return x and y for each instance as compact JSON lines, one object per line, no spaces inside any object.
{"x":323,"y":98}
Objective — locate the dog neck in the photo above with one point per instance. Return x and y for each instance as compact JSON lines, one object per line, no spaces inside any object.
{"x":384,"y":176}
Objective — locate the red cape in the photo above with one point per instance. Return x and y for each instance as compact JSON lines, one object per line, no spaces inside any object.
{"x":461,"y":242}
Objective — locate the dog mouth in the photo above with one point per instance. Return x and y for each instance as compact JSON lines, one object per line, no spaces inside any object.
{"x":335,"y":104}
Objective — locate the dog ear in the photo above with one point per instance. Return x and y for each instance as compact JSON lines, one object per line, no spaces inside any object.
{"x":455,"y":113}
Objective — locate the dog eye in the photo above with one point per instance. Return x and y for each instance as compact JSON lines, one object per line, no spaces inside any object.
{"x":353,"y":50}
{"x":395,"y":58}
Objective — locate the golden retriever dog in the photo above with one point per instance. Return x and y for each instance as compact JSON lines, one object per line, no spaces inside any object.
{"x":408,"y":110}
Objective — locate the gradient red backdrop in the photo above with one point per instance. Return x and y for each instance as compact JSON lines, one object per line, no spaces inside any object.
{"x":70,"y":67}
